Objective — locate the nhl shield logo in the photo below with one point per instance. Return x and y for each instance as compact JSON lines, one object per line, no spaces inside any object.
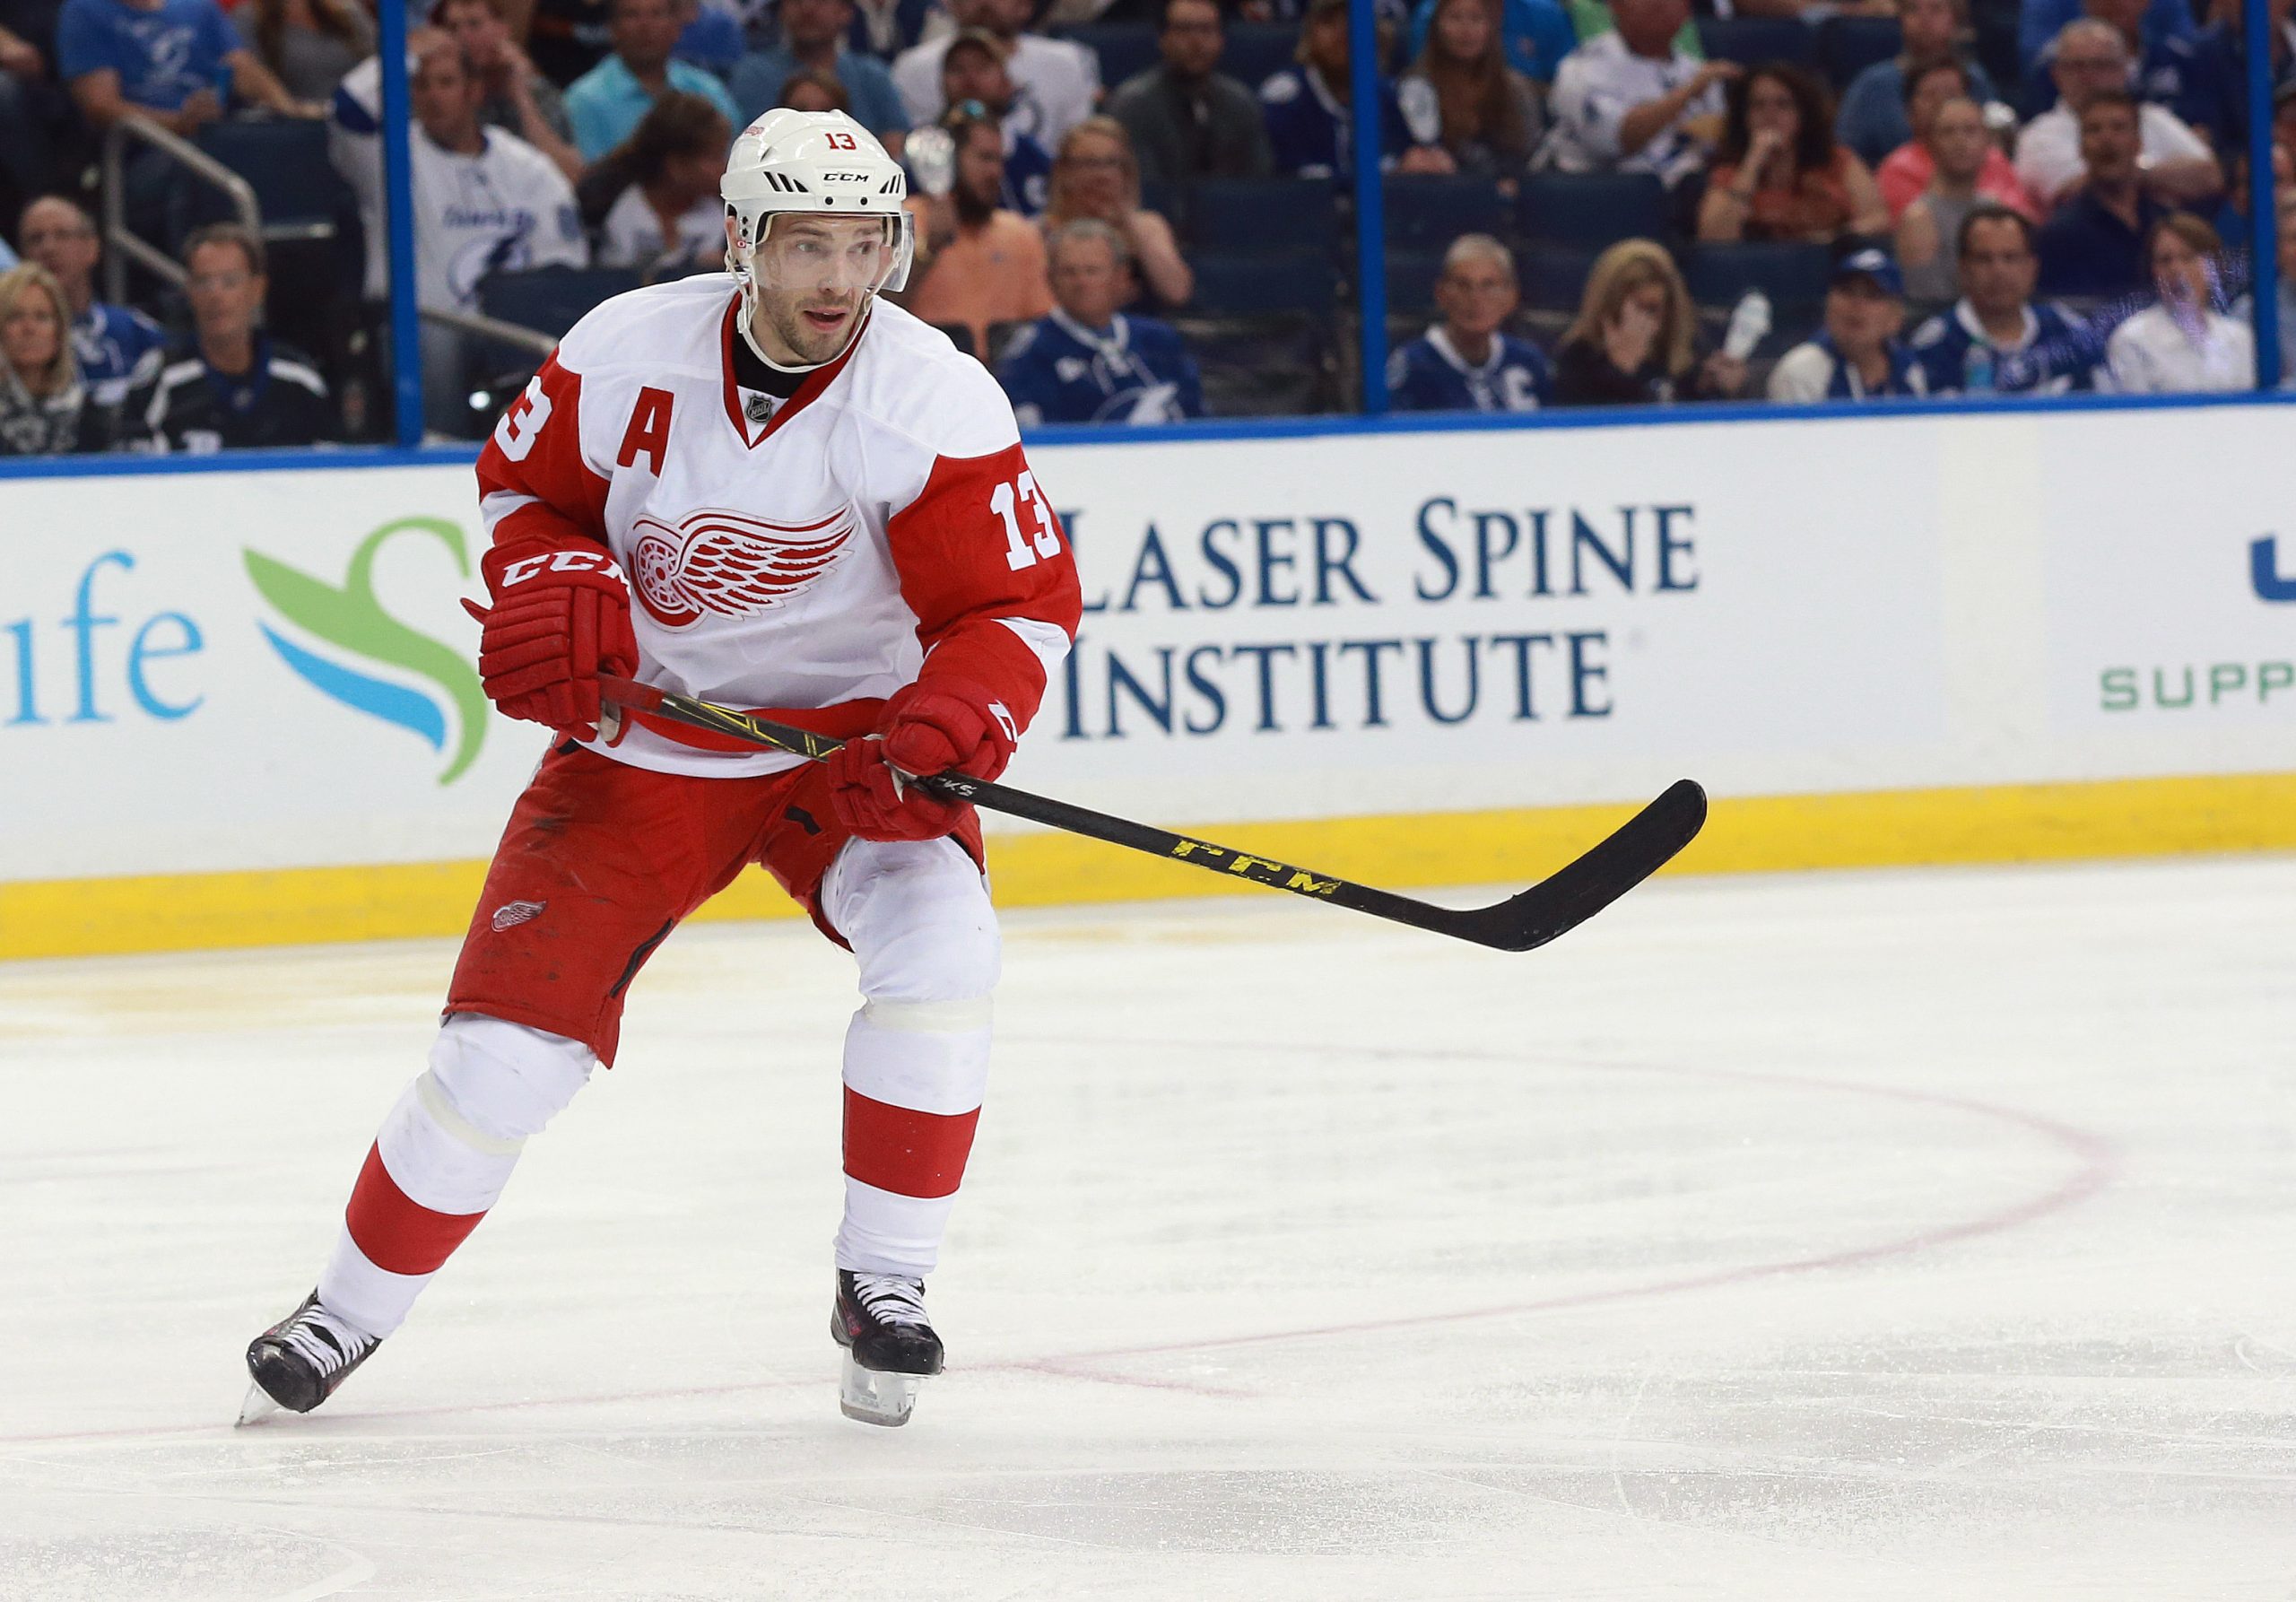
{"x":729,"y":563}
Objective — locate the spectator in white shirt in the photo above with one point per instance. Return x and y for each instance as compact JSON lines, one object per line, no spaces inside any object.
{"x":2183,"y":345}
{"x":1056,"y":82}
{"x":1630,"y":101}
{"x":1857,"y":354}
{"x":664,"y":215}
{"x":485,"y":202}
{"x":2092,"y":57}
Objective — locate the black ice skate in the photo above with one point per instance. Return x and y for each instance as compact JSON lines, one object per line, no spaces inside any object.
{"x":889,"y":1345}
{"x":297,"y":1361}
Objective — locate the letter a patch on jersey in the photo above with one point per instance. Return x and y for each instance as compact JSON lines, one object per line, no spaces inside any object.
{"x":648,"y":433}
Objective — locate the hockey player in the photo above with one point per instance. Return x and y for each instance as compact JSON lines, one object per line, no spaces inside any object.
{"x":774,"y":490}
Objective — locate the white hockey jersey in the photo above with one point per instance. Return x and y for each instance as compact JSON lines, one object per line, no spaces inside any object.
{"x":806,"y":556}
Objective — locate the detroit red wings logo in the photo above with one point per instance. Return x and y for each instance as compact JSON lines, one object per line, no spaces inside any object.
{"x":727,"y":564}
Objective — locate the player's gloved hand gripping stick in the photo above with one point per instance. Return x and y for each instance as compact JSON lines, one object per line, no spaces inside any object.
{"x":1554,"y":906}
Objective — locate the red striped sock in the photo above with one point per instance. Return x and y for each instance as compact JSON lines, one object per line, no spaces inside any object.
{"x":903,"y":1151}
{"x":398,"y":1234}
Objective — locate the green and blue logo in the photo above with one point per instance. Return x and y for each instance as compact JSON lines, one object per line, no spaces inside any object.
{"x":350,"y":618}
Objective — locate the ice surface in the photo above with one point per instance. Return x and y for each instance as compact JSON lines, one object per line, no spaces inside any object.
{"x":1917,"y":1236}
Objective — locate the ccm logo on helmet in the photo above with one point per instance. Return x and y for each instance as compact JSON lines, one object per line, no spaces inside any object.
{"x":560,"y":562}
{"x":844,"y":177}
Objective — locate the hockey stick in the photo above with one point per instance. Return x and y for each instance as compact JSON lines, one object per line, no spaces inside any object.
{"x":1553,"y":906}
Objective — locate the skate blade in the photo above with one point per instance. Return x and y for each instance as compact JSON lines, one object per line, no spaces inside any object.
{"x":257,"y":1407}
{"x":872,"y":1397}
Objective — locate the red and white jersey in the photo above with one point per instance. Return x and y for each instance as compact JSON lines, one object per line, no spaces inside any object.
{"x":786,"y":554}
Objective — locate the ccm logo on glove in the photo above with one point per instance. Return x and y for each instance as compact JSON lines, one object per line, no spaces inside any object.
{"x":560,"y":562}
{"x":559,"y":619}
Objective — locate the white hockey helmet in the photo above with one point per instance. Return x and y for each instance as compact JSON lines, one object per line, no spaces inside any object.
{"x":823,"y":163}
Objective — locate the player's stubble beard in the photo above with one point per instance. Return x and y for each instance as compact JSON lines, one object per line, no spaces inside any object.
{"x":780,"y":322}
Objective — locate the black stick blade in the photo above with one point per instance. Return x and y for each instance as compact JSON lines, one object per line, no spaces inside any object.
{"x":1556,"y":906}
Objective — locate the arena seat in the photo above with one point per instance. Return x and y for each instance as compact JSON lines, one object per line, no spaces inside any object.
{"x":1752,"y":40}
{"x":1001,"y":336}
{"x":1167,"y":201}
{"x":1275,"y":364}
{"x":1411,"y":280}
{"x":1123,"y":47}
{"x":1847,"y":46}
{"x":1256,"y":51}
{"x":1260,"y":215}
{"x":1788,"y":274}
{"x":1553,"y":277}
{"x":1427,"y":211}
{"x":284,"y":162}
{"x":1591,"y":210}
{"x":960,"y":336}
{"x":551,"y":299}
{"x":1233,"y":284}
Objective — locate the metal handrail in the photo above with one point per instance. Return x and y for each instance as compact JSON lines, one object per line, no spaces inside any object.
{"x":177,"y":148}
{"x":532,"y":340}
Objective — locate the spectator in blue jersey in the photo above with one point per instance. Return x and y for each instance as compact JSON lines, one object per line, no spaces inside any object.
{"x":169,"y":61}
{"x":1536,"y":34}
{"x":2224,"y":58}
{"x":2039,"y":21}
{"x":974,"y":73}
{"x":2093,"y":245}
{"x":814,"y":39}
{"x":118,"y":347}
{"x":1468,"y":362}
{"x":1997,"y":338}
{"x":1089,"y":363}
{"x":1310,"y":129}
{"x":234,"y":389}
{"x":707,"y":38}
{"x":1873,"y":119}
{"x":2169,"y":69}
{"x":1857,"y":355}
{"x":607,"y":103}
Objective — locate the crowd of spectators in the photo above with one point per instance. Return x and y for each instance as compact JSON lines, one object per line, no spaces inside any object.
{"x":2042,"y":207}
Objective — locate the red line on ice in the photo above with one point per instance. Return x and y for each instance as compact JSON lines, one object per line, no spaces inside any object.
{"x":2097,"y":1162}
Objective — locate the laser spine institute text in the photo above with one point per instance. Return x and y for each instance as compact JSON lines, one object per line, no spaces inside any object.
{"x":1537,"y":589}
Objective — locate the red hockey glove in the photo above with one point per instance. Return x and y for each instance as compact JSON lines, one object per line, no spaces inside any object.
{"x":559,"y":619}
{"x":869,"y":800}
{"x":927,"y":727}
{"x":935,"y":725}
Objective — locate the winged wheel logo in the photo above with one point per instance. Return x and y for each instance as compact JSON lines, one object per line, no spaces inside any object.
{"x":729,"y":564}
